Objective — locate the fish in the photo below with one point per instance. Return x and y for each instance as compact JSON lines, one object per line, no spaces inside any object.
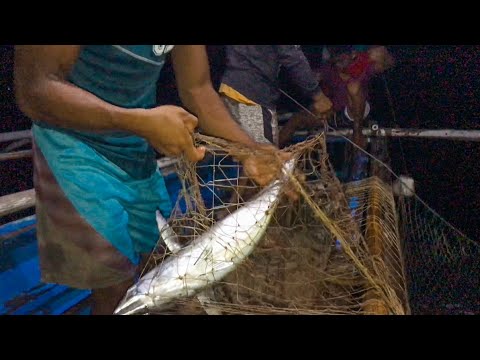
{"x":208,"y":258}
{"x":170,"y":238}
{"x":168,"y":235}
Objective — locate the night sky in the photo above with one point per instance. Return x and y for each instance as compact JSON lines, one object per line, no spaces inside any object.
{"x":437,"y":87}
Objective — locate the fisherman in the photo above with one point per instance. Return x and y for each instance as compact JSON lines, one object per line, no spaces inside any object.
{"x":250,"y":86}
{"x":250,"y":89}
{"x":344,"y":77}
{"x":95,"y":128}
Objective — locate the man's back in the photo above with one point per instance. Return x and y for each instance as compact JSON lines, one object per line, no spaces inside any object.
{"x":253,"y":71}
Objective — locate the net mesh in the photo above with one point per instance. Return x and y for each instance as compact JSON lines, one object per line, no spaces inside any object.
{"x":339,"y":249}
{"x":441,"y":263}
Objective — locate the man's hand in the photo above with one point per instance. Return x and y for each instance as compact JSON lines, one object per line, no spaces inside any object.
{"x":381,"y":58}
{"x":265,"y":164}
{"x":169,"y":129}
{"x":263,"y":169}
{"x":322,"y":105}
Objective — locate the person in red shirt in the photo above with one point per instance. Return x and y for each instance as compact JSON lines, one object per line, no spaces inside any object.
{"x":344,"y":78}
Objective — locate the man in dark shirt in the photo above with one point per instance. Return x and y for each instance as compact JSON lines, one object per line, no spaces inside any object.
{"x":250,"y":85}
{"x":344,"y":77}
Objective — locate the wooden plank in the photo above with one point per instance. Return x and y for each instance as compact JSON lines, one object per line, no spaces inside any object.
{"x":373,"y":303}
{"x":15,"y":155}
{"x":17,"y":202}
{"x":15,"y":135}
{"x":17,"y":144}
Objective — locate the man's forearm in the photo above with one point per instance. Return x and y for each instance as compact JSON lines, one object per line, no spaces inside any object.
{"x":213,"y":117}
{"x":65,"y":105}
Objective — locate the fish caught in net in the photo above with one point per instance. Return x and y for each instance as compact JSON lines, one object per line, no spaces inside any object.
{"x":231,"y":247}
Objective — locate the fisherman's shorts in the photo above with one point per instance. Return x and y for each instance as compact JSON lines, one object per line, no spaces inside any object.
{"x":258,"y":121}
{"x":343,"y":118}
{"x":93,"y":219}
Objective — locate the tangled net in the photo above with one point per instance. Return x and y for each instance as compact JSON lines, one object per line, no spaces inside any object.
{"x":339,"y":249}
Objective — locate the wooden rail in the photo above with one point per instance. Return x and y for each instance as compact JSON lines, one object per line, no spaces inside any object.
{"x":16,"y":202}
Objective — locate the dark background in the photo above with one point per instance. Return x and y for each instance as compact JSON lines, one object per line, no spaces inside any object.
{"x":431,"y":87}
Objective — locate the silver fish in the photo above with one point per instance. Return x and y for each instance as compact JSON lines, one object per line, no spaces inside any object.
{"x":168,"y":235}
{"x":208,"y":258}
{"x":174,"y":245}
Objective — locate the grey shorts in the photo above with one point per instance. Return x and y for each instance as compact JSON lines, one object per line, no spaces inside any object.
{"x":258,"y":121}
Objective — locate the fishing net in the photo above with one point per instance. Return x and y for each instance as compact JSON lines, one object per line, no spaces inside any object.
{"x":441,"y":262}
{"x":336,"y":250}
{"x":350,"y":248}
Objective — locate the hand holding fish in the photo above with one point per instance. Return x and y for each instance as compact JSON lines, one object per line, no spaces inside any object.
{"x":192,"y":269}
{"x":265,"y":164}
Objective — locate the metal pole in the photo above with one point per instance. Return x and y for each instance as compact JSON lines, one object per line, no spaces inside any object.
{"x":446,"y":134}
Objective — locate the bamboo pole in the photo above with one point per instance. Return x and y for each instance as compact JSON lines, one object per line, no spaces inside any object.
{"x":167,"y":165}
{"x":166,"y":162}
{"x":373,"y":303}
{"x":17,"y":233}
{"x":16,"y":202}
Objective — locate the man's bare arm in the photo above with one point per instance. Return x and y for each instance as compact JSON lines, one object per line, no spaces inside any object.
{"x":44,"y":93}
{"x":195,"y":88}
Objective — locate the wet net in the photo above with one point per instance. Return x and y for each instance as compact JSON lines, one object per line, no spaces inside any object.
{"x":441,"y":262}
{"x":339,"y":249}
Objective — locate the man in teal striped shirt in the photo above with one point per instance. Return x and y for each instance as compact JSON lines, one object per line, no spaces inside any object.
{"x":95,"y":128}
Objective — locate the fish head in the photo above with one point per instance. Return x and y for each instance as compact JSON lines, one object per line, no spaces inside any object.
{"x":134,"y":303}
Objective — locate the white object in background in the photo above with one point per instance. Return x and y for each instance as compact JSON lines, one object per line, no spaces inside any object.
{"x":404,"y":186}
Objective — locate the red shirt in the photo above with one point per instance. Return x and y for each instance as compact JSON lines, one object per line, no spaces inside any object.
{"x":335,"y":87}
